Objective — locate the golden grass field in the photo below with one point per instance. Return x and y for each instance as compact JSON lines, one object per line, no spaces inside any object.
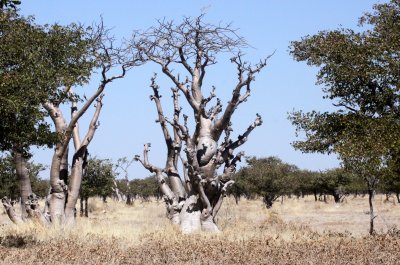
{"x":297,"y":231}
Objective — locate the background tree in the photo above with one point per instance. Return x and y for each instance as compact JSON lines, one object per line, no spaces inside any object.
{"x":9,"y":4}
{"x":98,"y":180}
{"x":359,"y":71}
{"x":145,"y":188}
{"x":268,"y":177}
{"x":193,"y":46}
{"x":122,"y":166}
{"x":334,"y":182}
{"x":9,"y":183}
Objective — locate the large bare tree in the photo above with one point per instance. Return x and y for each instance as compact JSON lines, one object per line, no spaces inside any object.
{"x":192,"y":46}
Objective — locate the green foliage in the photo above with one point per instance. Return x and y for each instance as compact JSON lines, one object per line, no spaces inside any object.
{"x":267,"y":177}
{"x":98,"y":178}
{"x":360,"y":74}
{"x":9,"y":185}
{"x":145,"y":188}
{"x":9,"y":3}
{"x":36,"y":64}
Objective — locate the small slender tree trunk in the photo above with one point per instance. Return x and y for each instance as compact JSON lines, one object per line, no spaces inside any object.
{"x":371,"y":211}
{"x":336,"y":196}
{"x":86,"y":207}
{"x":81,"y":206}
{"x":398,"y":197}
{"x":237,"y":199}
{"x":371,"y":182}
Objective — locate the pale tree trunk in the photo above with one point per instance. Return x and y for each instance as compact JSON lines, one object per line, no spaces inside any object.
{"x":23,"y":178}
{"x":79,"y":160}
{"x":14,"y":217}
{"x":29,"y":201}
{"x":117,"y":192}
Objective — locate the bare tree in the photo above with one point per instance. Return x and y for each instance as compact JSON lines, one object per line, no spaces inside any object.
{"x":193,"y":46}
{"x":123,"y":164}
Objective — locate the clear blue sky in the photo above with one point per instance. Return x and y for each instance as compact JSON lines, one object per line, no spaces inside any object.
{"x":127,"y":119}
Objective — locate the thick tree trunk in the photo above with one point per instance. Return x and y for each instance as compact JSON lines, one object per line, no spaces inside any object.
{"x":189,"y":217}
{"x":73,"y":190}
{"x":23,"y":179}
{"x":58,"y":192}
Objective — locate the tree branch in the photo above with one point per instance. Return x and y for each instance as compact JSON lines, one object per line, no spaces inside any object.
{"x":246,"y":74}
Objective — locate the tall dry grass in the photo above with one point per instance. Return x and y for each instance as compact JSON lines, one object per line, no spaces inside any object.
{"x":299,"y":231}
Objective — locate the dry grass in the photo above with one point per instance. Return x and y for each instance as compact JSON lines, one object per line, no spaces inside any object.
{"x":295,"y":232}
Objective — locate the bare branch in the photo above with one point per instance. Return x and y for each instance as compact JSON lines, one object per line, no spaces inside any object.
{"x":243,"y":138}
{"x":8,"y":206}
{"x":218,"y":204}
{"x":246,"y":74}
{"x":207,"y":211}
{"x":165,"y":189}
{"x":185,"y":174}
{"x":161,"y":118}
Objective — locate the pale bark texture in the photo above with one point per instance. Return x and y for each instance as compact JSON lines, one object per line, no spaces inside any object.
{"x":25,"y":188}
{"x":194,"y":199}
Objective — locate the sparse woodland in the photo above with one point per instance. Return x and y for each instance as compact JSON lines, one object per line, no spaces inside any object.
{"x":208,"y":202}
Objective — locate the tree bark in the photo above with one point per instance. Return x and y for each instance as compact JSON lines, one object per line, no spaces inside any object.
{"x":23,"y":179}
{"x":16,"y":219}
{"x":86,"y":207}
{"x":371,"y":211}
{"x":81,"y":206}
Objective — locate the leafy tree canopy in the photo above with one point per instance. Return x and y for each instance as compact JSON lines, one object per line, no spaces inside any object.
{"x":98,"y":179}
{"x":36,"y":64}
{"x":360,"y":74}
